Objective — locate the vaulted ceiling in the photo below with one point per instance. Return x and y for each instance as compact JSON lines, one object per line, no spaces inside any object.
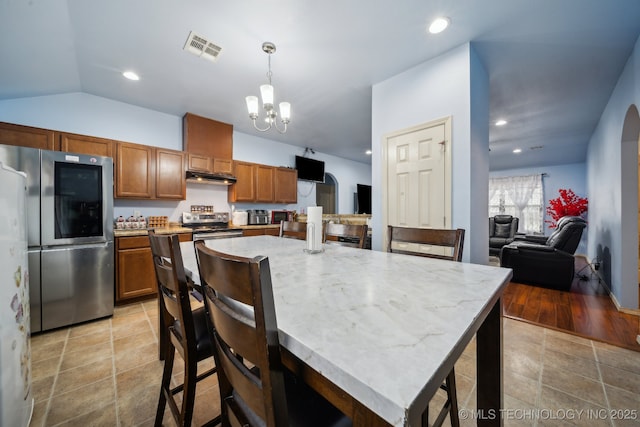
{"x":552,"y":64}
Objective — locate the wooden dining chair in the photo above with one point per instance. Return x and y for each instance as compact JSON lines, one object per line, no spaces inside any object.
{"x":255,"y":388}
{"x":441,"y":244}
{"x":346,"y":234}
{"x":293,"y":230}
{"x":185,"y":330}
{"x":427,"y":242}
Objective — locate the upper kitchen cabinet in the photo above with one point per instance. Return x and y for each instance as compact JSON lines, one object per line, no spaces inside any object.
{"x":26,"y":136}
{"x":258,"y":183}
{"x":285,"y":185}
{"x":170,"y":174}
{"x":223,"y":166}
{"x":144,"y":172}
{"x":82,"y":144}
{"x":264,"y":183}
{"x":199,"y":163}
{"x":244,"y":190}
{"x":206,"y":137}
{"x":135,"y":171}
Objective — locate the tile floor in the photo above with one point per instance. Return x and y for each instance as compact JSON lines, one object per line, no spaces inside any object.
{"x":107,"y":373}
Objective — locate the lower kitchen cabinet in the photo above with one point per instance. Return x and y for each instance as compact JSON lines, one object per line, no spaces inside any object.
{"x":135,"y":274}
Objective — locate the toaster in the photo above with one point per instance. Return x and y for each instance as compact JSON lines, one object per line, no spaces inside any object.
{"x":258,"y":216}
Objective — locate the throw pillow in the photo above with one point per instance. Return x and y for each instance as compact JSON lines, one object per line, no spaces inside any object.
{"x":503,"y":230}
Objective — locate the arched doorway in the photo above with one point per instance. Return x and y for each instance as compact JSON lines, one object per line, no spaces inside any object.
{"x":630,"y":212}
{"x":327,"y":194}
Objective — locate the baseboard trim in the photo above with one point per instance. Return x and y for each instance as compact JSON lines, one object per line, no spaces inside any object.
{"x":632,"y":311}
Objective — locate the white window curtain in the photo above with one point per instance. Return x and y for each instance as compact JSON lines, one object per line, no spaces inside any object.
{"x":521,"y":197}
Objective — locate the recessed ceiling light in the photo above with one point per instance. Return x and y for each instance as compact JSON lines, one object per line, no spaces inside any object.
{"x":368,"y":152}
{"x":501,"y":122}
{"x":517,"y":150}
{"x":439,"y":25}
{"x":131,"y":75}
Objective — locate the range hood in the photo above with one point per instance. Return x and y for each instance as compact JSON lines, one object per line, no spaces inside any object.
{"x":210,"y":178}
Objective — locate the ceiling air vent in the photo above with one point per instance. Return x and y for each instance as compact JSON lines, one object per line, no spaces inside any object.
{"x":202,"y":47}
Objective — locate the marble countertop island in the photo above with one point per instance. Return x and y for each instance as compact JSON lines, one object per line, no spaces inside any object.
{"x":385,"y":328}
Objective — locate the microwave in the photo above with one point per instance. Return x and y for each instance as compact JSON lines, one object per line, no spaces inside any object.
{"x":277,"y":216}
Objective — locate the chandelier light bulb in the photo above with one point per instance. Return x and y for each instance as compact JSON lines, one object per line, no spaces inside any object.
{"x":285,"y":111}
{"x":252,"y":105}
{"x":266,"y":91}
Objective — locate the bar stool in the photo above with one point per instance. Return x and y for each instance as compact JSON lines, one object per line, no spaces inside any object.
{"x":185,"y":330}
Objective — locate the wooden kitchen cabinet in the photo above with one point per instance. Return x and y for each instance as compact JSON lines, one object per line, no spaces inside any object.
{"x":285,"y":185}
{"x":264,"y":183}
{"x":258,"y":183}
{"x":83,"y":144}
{"x":244,"y":188}
{"x":26,"y":136}
{"x":135,"y":273}
{"x":206,"y":137}
{"x":223,"y":166}
{"x":170,"y":175}
{"x":144,"y":172}
{"x":199,"y":163}
{"x":135,"y":171}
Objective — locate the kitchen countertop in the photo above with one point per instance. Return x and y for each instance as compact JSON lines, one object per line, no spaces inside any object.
{"x":143,"y":231}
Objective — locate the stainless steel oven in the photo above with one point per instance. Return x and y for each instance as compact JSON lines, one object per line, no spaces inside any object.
{"x":210,"y":234}
{"x":209,"y":225}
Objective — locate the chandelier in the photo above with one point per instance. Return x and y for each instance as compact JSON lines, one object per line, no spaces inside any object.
{"x":266,"y":91}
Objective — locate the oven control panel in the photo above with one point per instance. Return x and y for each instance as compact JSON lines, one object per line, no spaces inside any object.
{"x":204,"y":217}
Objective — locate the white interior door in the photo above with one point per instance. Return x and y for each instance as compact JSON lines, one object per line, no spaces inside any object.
{"x":418,"y":177}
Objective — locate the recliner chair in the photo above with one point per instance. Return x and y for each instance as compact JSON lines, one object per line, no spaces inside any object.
{"x":502,"y":231}
{"x":545,"y":261}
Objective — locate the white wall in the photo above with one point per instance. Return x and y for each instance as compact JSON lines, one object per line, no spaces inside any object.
{"x":435,"y":89}
{"x":570,"y":176}
{"x":95,"y":116}
{"x":613,"y":229}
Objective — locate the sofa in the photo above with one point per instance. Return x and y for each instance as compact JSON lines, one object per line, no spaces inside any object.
{"x":545,"y":261}
{"x":502,"y":231}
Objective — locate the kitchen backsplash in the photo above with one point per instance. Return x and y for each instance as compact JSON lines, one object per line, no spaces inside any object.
{"x":197,"y":194}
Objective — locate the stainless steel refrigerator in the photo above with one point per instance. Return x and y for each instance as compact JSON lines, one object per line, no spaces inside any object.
{"x":70,"y":234}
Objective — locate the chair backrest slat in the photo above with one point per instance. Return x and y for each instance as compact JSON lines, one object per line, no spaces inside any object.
{"x":173,"y":290}
{"x":452,"y":239}
{"x":346,"y":234}
{"x":293,"y":230}
{"x":239,"y":300}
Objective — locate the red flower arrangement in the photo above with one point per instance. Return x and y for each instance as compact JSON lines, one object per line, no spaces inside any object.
{"x":567,"y":204}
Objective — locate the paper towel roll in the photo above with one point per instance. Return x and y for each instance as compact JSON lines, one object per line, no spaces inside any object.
{"x":314,"y":228}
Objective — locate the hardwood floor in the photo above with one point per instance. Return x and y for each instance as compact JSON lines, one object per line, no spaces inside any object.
{"x":586,"y":310}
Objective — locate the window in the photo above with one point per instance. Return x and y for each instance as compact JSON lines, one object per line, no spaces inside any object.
{"x":521,"y":197}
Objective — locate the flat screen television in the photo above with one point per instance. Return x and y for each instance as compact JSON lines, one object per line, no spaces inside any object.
{"x":364,"y":199}
{"x":310,"y":169}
